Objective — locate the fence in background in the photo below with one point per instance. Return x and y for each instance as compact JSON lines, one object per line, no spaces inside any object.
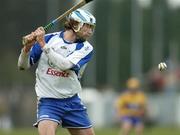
{"x":18,"y":108}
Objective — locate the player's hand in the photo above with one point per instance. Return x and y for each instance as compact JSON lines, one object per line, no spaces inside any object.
{"x":30,"y":38}
{"x":30,"y":41}
{"x":39,"y":33}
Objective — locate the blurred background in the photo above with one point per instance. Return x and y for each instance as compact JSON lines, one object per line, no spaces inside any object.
{"x":131,"y":38}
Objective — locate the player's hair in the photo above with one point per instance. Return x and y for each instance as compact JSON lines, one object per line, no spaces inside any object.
{"x":69,"y":24}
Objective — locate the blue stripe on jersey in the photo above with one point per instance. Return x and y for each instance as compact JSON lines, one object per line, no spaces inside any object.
{"x":35,"y":54}
{"x":79,"y":46}
{"x":82,"y":62}
{"x":36,"y":50}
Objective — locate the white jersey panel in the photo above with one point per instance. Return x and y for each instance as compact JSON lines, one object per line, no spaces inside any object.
{"x":52,"y":82}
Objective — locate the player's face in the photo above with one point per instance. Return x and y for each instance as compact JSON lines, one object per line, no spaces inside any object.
{"x":86,"y":31}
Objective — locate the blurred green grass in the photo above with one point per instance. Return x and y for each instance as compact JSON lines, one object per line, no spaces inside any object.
{"x":104,"y":131}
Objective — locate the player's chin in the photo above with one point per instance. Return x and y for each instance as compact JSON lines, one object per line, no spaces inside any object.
{"x":87,"y":36}
{"x":84,"y":37}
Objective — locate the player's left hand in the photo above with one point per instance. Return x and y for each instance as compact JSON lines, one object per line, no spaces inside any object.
{"x":40,"y":32}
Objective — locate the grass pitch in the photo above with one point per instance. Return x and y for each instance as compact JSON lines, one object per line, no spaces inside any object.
{"x":105,"y":131}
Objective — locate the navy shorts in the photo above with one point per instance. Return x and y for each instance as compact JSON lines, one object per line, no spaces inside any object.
{"x":68,"y":112}
{"x":133,"y":120}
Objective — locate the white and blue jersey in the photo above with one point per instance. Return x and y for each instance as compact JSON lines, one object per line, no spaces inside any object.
{"x":57,"y":87}
{"x":51,"y":82}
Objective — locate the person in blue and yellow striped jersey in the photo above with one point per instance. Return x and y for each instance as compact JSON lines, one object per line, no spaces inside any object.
{"x":131,"y":106}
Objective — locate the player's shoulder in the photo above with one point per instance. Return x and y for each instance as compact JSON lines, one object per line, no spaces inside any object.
{"x":49,"y":36}
{"x":87,"y":46}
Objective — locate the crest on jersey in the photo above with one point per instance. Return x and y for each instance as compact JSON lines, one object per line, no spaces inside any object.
{"x":51,"y":64}
{"x":63,"y":47}
{"x":86,"y":48}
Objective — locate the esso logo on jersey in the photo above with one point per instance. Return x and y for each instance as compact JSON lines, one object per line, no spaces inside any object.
{"x":54,"y":72}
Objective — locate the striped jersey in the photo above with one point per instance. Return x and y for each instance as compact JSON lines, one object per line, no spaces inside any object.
{"x":50,"y":80}
{"x":131,"y":104}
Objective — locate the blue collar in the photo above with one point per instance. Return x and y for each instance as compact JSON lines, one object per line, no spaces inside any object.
{"x":62,"y":36}
{"x":68,"y":42}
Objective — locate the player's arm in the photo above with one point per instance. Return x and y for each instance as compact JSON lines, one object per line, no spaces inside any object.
{"x":120,"y":106}
{"x":30,"y":57}
{"x":74,"y":61}
{"x":30,"y":54}
{"x":23,"y":61}
{"x":58,"y":60}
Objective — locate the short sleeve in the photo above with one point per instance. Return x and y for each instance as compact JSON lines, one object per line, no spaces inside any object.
{"x":36,"y":50}
{"x":81,"y":56}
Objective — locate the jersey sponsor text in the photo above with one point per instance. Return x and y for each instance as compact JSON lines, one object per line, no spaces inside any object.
{"x":54,"y":72}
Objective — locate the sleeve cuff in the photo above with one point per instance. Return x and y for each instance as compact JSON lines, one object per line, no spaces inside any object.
{"x":46,"y":49}
{"x":24,"y":53}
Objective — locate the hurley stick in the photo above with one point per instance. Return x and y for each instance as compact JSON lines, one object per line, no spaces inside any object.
{"x":48,"y":26}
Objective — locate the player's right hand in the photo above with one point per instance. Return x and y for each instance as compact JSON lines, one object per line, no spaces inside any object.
{"x":29,"y":39}
{"x":39,"y":33}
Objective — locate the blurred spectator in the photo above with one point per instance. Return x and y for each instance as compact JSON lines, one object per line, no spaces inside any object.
{"x":131,"y":106}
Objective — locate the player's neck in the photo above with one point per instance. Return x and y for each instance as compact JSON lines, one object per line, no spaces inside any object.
{"x":70,"y":36}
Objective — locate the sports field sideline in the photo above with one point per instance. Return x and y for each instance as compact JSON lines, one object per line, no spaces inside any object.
{"x":107,"y":131}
